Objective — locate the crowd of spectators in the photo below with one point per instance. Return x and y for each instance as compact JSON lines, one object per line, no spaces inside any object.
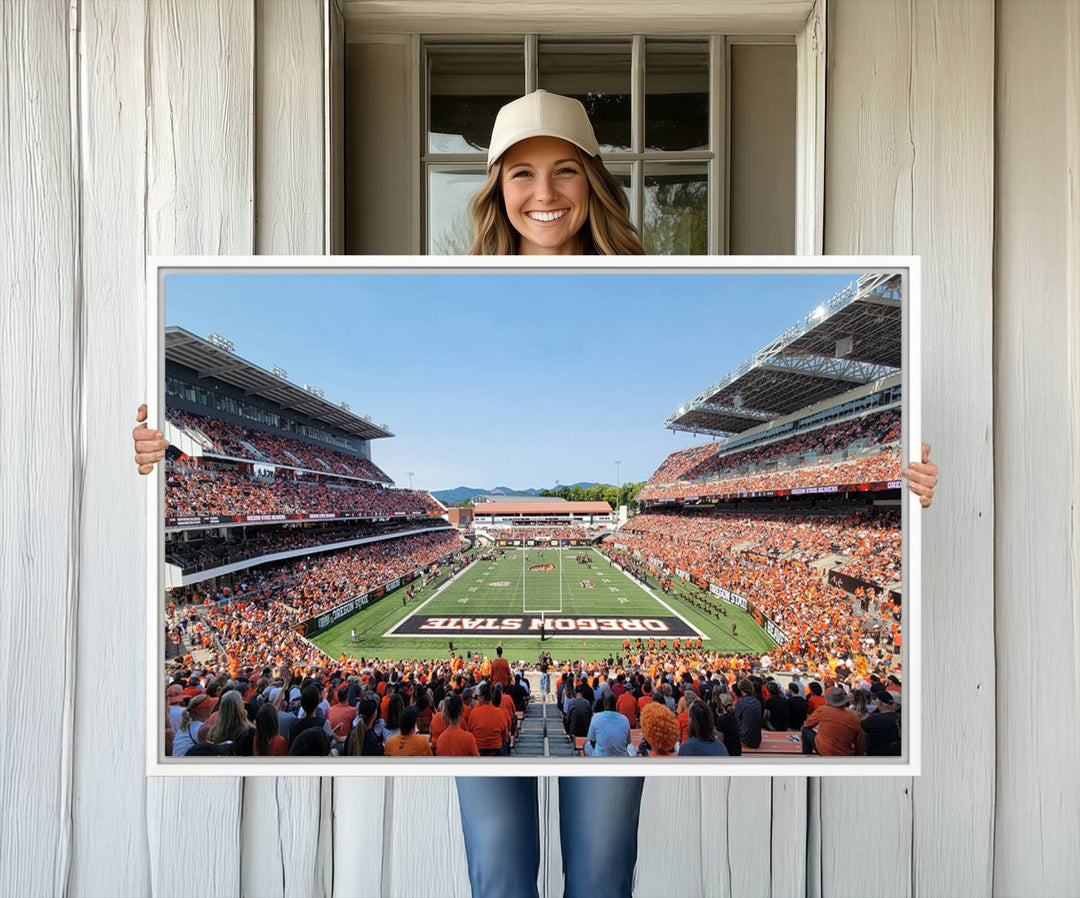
{"x":792,"y":463}
{"x":236,"y":441}
{"x":575,"y":532}
{"x":770,"y":561}
{"x":871,"y":537}
{"x":253,"y":621}
{"x":201,"y":490}
{"x":205,"y":552}
{"x":676,"y":465}
{"x":693,"y":704}
{"x":868,"y":469}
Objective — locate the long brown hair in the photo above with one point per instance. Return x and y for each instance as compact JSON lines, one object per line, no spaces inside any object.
{"x":608,"y":230}
{"x":232,"y":719}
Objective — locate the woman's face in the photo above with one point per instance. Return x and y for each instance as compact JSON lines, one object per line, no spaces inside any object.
{"x":546,"y":195}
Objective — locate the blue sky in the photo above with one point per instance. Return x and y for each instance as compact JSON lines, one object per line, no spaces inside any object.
{"x":515,"y":380}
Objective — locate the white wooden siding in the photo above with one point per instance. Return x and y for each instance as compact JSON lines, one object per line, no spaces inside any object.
{"x":909,"y":149}
{"x":1037,"y":306}
{"x":953,"y":132}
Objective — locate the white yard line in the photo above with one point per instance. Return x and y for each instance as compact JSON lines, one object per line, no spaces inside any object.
{"x":416,"y":610}
{"x":649,"y":592}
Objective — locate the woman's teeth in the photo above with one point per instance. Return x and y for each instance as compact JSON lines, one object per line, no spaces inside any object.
{"x":546,"y":216}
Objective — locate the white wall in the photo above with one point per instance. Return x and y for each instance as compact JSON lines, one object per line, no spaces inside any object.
{"x":145,"y":127}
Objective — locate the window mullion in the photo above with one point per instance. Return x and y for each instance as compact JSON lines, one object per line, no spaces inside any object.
{"x":637,"y":129}
{"x":718,"y":107}
{"x":532,"y":62}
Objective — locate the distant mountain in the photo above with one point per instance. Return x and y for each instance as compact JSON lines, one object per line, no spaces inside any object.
{"x":461,"y":493}
{"x":457,"y":494}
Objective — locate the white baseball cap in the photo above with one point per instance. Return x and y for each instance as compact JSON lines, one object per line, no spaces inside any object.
{"x":541,"y":114}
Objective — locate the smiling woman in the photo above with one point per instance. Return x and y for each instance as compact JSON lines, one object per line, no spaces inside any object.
{"x":547,"y":190}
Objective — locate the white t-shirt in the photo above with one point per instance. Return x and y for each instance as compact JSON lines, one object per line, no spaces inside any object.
{"x":186,"y":739}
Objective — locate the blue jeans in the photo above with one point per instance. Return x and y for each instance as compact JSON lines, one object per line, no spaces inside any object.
{"x":598,"y":824}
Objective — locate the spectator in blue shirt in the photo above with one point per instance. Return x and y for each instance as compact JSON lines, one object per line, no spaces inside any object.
{"x":609,"y":732}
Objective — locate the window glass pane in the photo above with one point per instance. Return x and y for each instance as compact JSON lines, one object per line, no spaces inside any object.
{"x":676,"y":209}
{"x":449,"y":191}
{"x":623,"y":175}
{"x":597,"y":74}
{"x":676,"y":95}
{"x":467,"y":84}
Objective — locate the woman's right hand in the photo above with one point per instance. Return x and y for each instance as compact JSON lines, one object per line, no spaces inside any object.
{"x":150,"y":445}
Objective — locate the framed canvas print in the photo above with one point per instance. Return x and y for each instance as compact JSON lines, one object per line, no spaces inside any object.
{"x":501,"y":516}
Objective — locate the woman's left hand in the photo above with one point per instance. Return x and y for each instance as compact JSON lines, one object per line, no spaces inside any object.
{"x":922,"y":477}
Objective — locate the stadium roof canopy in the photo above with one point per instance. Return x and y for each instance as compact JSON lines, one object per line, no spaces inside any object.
{"x":851,"y":340}
{"x":528,"y":507}
{"x":208,"y":360}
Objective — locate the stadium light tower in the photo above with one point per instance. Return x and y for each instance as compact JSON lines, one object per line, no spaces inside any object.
{"x":618,"y":487}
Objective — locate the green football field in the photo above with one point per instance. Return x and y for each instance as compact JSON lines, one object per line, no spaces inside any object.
{"x":519,"y":589}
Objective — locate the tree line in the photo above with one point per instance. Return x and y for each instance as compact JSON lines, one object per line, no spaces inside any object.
{"x":602,"y":492}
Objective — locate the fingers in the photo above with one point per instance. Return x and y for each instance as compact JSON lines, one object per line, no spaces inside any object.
{"x":150,"y":445}
{"x":925,"y":452}
{"x":925,"y":478}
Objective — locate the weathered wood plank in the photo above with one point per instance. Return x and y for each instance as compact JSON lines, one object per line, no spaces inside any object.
{"x":199,"y":200}
{"x":283,"y":819}
{"x":1037,"y":446}
{"x":788,"y":836}
{"x":424,"y":846}
{"x":952,"y":129}
{"x":669,"y":838}
{"x":200,"y":186}
{"x":359,"y":809}
{"x":735,"y":822}
{"x":868,"y":196}
{"x":909,"y":170}
{"x":289,"y":127}
{"x":112,"y":859}
{"x":41,"y":432}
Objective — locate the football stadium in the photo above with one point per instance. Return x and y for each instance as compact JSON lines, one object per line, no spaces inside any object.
{"x":313,"y":606}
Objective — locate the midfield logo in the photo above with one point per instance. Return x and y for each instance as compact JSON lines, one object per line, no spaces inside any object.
{"x":542,"y":568}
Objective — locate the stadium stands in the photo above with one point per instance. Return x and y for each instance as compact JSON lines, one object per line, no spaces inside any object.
{"x":234,"y":441}
{"x":205,"y":490}
{"x":799,"y":462}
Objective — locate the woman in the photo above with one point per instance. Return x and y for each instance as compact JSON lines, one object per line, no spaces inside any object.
{"x":268,"y":739}
{"x":727,"y":724}
{"x":192,"y":720}
{"x":547,"y":193}
{"x":363,"y":740}
{"x":232,"y":724}
{"x":702,"y":741}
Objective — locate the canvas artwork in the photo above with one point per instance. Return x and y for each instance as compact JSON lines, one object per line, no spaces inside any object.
{"x":622,"y":519}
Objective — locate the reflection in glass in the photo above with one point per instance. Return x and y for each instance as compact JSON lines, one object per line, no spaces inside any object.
{"x":449,"y":191}
{"x":623,"y":175}
{"x":467,"y":84}
{"x":597,"y":74}
{"x":676,"y":95}
{"x":676,"y":209}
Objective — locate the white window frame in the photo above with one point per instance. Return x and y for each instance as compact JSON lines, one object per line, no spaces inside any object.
{"x":809,"y":42}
